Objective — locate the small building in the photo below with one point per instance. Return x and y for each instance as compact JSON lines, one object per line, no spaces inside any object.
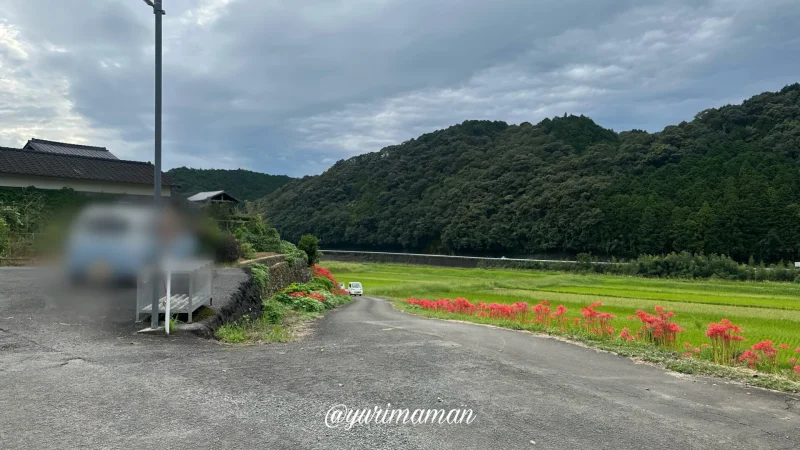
{"x":55,"y":165}
{"x":205,"y":198}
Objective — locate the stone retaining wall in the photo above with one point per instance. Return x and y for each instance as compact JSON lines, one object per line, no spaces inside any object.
{"x":236,"y":294}
{"x":283,"y":274}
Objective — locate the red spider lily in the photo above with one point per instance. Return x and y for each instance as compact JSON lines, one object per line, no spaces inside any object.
{"x":520,"y":310}
{"x":791,"y":361}
{"x":626,"y":335}
{"x":658,"y":328}
{"x":596,"y":322}
{"x":797,"y":370}
{"x":697,"y":350}
{"x":463,"y":306}
{"x":725,"y":337}
{"x":768,"y":351}
{"x":315,"y":295}
{"x":750,"y":358}
{"x":560,"y":317}
{"x":320,"y":271}
{"x":766,"y":348}
{"x":784,"y":346}
{"x":498,"y":310}
{"x":541,"y":313}
{"x":687,"y":344}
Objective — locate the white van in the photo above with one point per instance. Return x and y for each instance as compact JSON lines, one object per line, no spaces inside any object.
{"x":354,"y":288}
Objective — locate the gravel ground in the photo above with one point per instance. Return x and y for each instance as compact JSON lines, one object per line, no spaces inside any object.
{"x":85,"y":379}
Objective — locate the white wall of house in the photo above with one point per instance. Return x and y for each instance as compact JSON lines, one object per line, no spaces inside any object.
{"x":107,"y":187}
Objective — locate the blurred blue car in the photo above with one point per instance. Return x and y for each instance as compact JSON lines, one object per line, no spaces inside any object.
{"x":112,"y":242}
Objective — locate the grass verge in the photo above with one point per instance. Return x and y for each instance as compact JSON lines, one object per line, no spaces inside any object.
{"x":277,"y":323}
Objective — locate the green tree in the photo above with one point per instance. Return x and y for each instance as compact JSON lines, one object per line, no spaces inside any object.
{"x":310,"y":244}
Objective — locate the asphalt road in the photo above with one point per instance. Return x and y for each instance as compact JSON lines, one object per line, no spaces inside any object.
{"x":84,"y":379}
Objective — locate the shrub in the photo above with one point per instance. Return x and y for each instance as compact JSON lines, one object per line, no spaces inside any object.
{"x":584,"y":261}
{"x":227,"y":249}
{"x":260,"y":277}
{"x":274,"y":311}
{"x":334,"y":300}
{"x":259,"y":234}
{"x":248,"y":252}
{"x":321,"y":284}
{"x":297,"y":287}
{"x":284,"y":298}
{"x":308,"y":304}
{"x":287,"y":247}
{"x":310,"y":244}
{"x":3,"y":236}
{"x":292,"y":254}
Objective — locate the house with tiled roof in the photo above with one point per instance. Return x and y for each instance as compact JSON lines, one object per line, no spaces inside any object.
{"x":63,"y":148}
{"x":82,"y":168}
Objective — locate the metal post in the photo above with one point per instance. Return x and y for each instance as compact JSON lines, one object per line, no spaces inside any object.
{"x":158,"y":12}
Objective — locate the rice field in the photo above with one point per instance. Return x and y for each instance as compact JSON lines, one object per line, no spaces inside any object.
{"x":764,"y":310}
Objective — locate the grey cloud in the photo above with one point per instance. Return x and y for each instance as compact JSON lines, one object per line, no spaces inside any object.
{"x":288,"y":87}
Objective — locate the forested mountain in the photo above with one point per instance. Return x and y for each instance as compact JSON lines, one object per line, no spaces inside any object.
{"x":240,"y":183}
{"x":727,"y":182}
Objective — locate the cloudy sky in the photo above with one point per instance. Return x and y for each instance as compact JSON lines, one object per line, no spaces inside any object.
{"x":291,"y":86}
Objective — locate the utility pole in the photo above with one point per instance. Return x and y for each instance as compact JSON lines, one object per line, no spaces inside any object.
{"x":158,"y":11}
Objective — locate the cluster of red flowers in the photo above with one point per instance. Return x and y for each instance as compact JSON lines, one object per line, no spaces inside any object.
{"x":315,"y":295}
{"x":725,"y":337}
{"x":323,"y":272}
{"x":763,"y":350}
{"x":596,"y":322}
{"x":560,"y":316}
{"x":750,"y":358}
{"x":625,"y":335}
{"x":764,"y":355}
{"x":518,"y":311}
{"x":658,"y":328}
{"x":541,"y":313}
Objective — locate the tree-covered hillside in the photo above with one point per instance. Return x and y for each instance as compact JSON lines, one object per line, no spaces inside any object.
{"x":727,"y":182}
{"x":240,"y":183}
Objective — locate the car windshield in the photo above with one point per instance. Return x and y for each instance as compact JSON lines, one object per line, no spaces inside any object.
{"x":106,"y":224}
{"x":355,"y":285}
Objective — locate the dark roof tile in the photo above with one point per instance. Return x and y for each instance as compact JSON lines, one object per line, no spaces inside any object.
{"x":25,"y":162}
{"x":64,"y":148}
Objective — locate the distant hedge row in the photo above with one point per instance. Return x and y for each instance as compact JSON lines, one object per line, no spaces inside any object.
{"x":673,"y":265}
